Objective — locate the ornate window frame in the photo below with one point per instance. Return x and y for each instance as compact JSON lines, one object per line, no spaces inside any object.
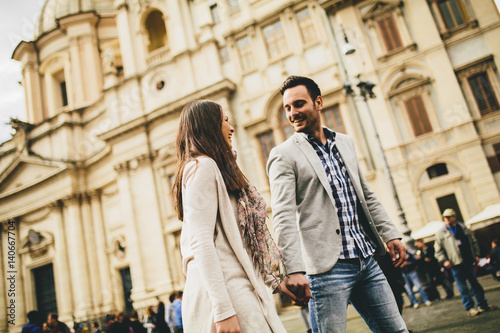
{"x":469,"y":20}
{"x":464,"y":72}
{"x":401,"y":92}
{"x":378,"y":11}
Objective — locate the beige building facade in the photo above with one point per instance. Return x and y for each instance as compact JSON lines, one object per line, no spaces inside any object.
{"x":85,"y":181}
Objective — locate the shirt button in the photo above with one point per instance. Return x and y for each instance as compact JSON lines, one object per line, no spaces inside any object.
{"x":338,"y":231}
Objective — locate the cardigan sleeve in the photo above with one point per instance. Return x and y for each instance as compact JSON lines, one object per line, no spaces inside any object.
{"x":200,"y":216}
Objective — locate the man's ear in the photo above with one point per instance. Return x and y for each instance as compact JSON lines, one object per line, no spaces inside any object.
{"x":319,"y":103}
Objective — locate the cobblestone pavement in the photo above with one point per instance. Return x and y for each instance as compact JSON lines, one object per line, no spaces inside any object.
{"x":442,"y":317}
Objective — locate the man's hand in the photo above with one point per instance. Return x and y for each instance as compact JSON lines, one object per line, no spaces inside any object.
{"x":447,"y":264}
{"x":298,"y":286}
{"x":229,"y":325}
{"x":397,"y":251}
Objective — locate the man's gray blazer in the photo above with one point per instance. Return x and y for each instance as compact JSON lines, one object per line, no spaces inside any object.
{"x":304,"y":214}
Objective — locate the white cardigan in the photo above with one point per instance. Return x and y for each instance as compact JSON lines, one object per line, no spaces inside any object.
{"x":221,"y":278}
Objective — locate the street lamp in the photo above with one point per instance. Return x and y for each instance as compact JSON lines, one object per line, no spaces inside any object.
{"x":366,"y":91}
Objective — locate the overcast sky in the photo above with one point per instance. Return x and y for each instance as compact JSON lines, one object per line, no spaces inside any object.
{"x":17,"y":19}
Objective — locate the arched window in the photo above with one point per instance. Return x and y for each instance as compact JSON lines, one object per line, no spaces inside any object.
{"x":437,"y":170}
{"x":157,"y":33}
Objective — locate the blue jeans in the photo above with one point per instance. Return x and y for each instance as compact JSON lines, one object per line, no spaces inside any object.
{"x":461,"y":273}
{"x":361,"y":282}
{"x":412,"y":280}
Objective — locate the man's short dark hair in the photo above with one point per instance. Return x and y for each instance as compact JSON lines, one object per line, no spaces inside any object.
{"x":53,"y":315}
{"x":35,"y":317}
{"x":294,"y":80}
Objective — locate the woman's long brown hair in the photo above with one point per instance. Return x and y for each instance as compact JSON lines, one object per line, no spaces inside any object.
{"x":200,"y":133}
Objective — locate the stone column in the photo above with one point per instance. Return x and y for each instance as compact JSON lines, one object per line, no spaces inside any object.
{"x":104,"y":290}
{"x":175,"y":27}
{"x":134,"y":249}
{"x":92,"y":256}
{"x":127,"y":45}
{"x":92,"y":63}
{"x":78,"y":94}
{"x":62,"y":278}
{"x":33,"y":92}
{"x":78,"y":263}
{"x":148,"y":214}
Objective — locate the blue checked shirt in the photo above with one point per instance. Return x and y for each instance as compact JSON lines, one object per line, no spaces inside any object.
{"x":346,"y":200}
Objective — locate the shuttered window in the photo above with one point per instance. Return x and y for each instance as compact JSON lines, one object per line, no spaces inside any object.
{"x":418,"y":115}
{"x":452,"y":13}
{"x":390,"y":33}
{"x":333,"y":119}
{"x":266,"y":144}
{"x":483,"y":93}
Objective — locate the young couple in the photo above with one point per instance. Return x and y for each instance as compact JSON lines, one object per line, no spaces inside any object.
{"x":328,"y":224}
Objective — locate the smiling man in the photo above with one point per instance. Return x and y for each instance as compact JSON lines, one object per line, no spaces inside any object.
{"x":328,"y":222}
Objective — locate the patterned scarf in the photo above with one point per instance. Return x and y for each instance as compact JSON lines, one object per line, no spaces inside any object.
{"x":255,"y":234}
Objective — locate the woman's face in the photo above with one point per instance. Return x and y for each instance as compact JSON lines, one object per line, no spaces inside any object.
{"x":227,"y":130}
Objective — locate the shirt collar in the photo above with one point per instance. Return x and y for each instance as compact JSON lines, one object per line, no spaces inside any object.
{"x":330,"y":135}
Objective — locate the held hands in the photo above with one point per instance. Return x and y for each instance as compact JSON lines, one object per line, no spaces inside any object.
{"x":397,"y":251}
{"x":296,"y":287}
{"x":229,"y":325}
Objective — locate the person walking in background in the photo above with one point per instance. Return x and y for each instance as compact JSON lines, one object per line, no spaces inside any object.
{"x":135,"y":323}
{"x":412,"y":281}
{"x":169,"y":313}
{"x":120,"y":325}
{"x":457,"y":249}
{"x":228,"y":254}
{"x":328,"y":222}
{"x":54,"y":325}
{"x":425,"y":254}
{"x":34,"y":324}
{"x":494,"y":268}
{"x":94,"y":327}
{"x":161,"y":324}
{"x":177,"y":311}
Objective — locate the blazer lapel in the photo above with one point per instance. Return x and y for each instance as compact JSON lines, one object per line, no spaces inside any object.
{"x":315,"y":162}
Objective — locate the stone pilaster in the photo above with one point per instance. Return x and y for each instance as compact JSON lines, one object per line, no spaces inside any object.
{"x":62,"y":281}
{"x":104,"y":290}
{"x":78,"y":263}
{"x":134,"y":246}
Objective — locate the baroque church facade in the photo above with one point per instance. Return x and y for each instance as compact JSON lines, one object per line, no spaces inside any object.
{"x":85,"y":181}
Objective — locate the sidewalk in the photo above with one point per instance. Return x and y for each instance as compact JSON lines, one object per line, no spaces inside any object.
{"x":442,"y":317}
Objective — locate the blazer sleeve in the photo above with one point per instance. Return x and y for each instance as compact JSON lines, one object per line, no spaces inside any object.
{"x":283,"y":202}
{"x":200,"y":216}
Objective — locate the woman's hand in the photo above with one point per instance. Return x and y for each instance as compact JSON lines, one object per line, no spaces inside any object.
{"x":229,"y":325}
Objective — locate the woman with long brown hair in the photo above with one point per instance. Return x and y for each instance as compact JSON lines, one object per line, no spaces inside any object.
{"x":228,"y":253}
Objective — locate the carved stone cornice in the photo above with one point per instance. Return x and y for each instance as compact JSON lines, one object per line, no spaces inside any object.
{"x":136,"y":162}
{"x":72,"y":198}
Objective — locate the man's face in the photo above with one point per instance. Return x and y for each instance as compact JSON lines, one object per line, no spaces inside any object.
{"x":420,"y":244}
{"x":449,"y":220}
{"x":301,"y":111}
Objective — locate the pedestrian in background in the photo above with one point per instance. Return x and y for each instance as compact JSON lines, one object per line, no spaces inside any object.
{"x":34,"y":324}
{"x":457,"y":249}
{"x":135,"y":323}
{"x":54,"y":325}
{"x":429,"y":263}
{"x":494,"y":268}
{"x":412,"y":281}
